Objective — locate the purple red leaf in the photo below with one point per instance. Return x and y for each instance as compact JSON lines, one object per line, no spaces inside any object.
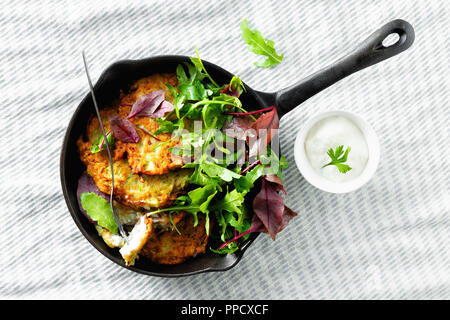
{"x":239,"y":128}
{"x":231,"y":91}
{"x":276,"y":181}
{"x":251,"y":112}
{"x":151,"y":105}
{"x":250,"y":167}
{"x":288,"y":214}
{"x":262,"y":130}
{"x":163,"y":108}
{"x":147,"y":104}
{"x":256,"y":226}
{"x":123,"y":129}
{"x":271,"y":214}
{"x":268,"y":205}
{"x":265,"y":126}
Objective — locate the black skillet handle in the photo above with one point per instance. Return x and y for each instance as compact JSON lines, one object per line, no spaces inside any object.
{"x":369,"y":52}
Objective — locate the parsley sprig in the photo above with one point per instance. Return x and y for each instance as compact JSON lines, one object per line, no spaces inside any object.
{"x":337,"y":160}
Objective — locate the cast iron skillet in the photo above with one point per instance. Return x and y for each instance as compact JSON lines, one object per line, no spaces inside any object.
{"x":121,"y":74}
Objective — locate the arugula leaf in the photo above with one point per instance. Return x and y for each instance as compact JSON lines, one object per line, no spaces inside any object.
{"x":99,"y":210}
{"x":238,"y":225}
{"x":232,"y":202}
{"x":273,"y":164}
{"x":231,"y":247}
{"x":337,"y":160}
{"x":201,"y":179}
{"x":214,"y":170}
{"x":213,"y":116}
{"x":178,"y":99}
{"x":201,"y":68}
{"x":181,"y":75}
{"x":200,"y":195}
{"x":173,"y":91}
{"x":174,"y":226}
{"x":165,"y":126}
{"x":243,"y":184}
{"x":224,"y":102}
{"x":261,"y":46}
{"x":235,"y":88}
{"x":198,"y":200}
{"x":195,"y":91}
{"x":221,"y":189}
{"x":269,"y":164}
{"x":255,"y":173}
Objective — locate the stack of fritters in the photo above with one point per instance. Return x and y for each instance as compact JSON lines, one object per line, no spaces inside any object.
{"x":146,"y":176}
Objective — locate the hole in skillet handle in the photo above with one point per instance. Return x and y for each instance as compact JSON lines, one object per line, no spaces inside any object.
{"x":391,"y":40}
{"x":366,"y":54}
{"x":394,"y":37}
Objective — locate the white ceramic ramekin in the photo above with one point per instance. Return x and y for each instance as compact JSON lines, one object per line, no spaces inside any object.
{"x":319,"y":181}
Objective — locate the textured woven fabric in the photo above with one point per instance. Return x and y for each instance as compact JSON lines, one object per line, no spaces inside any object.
{"x":389,"y":239}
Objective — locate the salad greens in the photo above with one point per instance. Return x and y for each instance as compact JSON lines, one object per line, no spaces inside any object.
{"x":99,"y":210}
{"x":209,"y":121}
{"x":337,"y":160}
{"x":261,"y":46}
{"x":220,"y":186}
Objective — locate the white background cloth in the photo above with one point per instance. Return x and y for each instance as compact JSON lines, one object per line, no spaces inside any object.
{"x":389,"y":239}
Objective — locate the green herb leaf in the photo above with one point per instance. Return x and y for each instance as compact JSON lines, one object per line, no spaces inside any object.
{"x":232,"y":202}
{"x":201,"y":68}
{"x":99,"y":210}
{"x":337,"y":160}
{"x":261,"y":46}
{"x":243,"y":184}
{"x":165,"y":126}
{"x":214,"y":170}
{"x":221,"y":188}
{"x":100,"y":144}
{"x":198,"y":200}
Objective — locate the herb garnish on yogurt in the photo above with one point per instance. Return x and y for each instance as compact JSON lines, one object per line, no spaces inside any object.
{"x":337,"y":160}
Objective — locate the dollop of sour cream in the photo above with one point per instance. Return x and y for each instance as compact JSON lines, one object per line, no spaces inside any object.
{"x":332,"y":132}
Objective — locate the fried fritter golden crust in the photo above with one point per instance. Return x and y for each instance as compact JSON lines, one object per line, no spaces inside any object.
{"x":162,"y":221}
{"x":146,"y":176}
{"x":146,"y":85}
{"x":133,"y":190}
{"x":142,"y":171}
{"x":151,"y":155}
{"x":169,"y":247}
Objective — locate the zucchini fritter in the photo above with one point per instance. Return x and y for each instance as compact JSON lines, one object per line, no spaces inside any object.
{"x":169,"y":247}
{"x":146,"y":177}
{"x":151,"y":155}
{"x":146,"y":85}
{"x":133,"y":190}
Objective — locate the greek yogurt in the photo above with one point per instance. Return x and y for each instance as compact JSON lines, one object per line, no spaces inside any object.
{"x":332,"y":132}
